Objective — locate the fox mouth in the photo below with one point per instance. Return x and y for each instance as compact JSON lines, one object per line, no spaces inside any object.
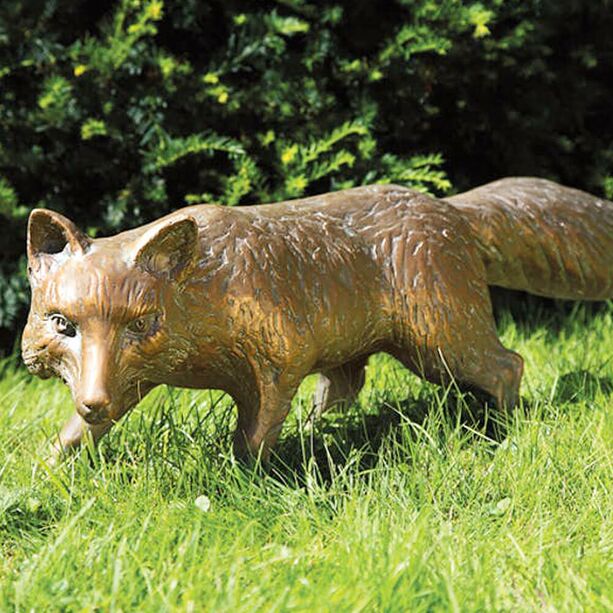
{"x":96,"y":420}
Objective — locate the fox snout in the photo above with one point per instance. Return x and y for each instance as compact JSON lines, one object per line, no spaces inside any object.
{"x":93,"y":398}
{"x":95,"y":409}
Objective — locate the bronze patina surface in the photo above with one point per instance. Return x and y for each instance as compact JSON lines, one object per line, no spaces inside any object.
{"x":251,"y":300}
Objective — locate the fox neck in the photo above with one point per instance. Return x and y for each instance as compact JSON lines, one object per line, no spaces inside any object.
{"x":206,"y":343}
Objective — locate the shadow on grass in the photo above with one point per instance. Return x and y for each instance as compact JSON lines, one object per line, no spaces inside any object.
{"x":531,"y":312}
{"x":340,"y":438}
{"x":580,"y":385}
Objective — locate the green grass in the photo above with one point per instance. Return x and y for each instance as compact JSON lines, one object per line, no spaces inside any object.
{"x":405,"y":502}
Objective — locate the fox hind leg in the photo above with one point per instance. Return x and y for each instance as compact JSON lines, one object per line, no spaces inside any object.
{"x":498,"y":374}
{"x":449,"y":334}
{"x":493,"y":369}
{"x":509,"y":371}
{"x":339,"y":386}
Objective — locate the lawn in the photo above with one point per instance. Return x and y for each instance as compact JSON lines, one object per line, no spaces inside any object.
{"x":411,"y":500}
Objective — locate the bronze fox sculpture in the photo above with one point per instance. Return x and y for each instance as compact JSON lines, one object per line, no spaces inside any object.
{"x":251,"y":300}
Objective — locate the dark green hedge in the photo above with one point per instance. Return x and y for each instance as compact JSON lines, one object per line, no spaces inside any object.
{"x":116,"y":112}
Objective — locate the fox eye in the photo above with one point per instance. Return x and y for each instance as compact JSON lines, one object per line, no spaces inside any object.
{"x":142,"y":326}
{"x":62,"y":326}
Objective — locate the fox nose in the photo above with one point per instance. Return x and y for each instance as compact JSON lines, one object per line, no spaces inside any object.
{"x":94,"y":409}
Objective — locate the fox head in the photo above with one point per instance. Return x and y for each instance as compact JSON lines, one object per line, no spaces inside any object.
{"x":105,"y":315}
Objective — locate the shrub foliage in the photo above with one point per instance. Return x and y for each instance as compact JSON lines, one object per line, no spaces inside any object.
{"x":116,"y":112}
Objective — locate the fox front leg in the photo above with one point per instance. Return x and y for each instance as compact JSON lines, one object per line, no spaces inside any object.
{"x":74,"y":432}
{"x":260,"y":421}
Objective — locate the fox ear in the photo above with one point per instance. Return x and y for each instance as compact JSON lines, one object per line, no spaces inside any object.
{"x":170,"y":249}
{"x":48,"y":234}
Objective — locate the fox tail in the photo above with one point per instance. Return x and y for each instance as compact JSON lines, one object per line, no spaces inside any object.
{"x":541,"y":237}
